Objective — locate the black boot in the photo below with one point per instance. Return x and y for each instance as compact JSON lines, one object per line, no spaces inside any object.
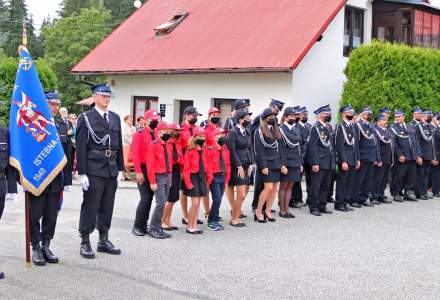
{"x":104,"y":245}
{"x":37,"y":255}
{"x":2,"y":275}
{"x":47,"y":254}
{"x":86,"y":250}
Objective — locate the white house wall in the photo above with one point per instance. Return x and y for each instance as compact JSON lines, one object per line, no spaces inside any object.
{"x":201,"y":88}
{"x":319,"y":78}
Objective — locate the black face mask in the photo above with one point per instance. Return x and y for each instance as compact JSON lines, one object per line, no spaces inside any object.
{"x":221,"y":141}
{"x":304,"y":120}
{"x":291,"y":121}
{"x":165,"y":137}
{"x":327,"y":119}
{"x":193,"y":121}
{"x":349,"y":117}
{"x":215,"y":120}
{"x":369,"y":118}
{"x":245,"y":123}
{"x":153,"y":124}
{"x":297,"y":119}
{"x":429,"y":119}
{"x":200,"y":142}
{"x":271,"y":121}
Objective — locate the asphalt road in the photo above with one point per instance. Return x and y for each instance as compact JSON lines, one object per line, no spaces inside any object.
{"x":386,"y":252}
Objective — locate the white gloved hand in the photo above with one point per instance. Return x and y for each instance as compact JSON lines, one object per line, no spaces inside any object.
{"x":120,"y":176}
{"x":84,"y":182}
{"x":11,"y":197}
{"x":67,"y":188}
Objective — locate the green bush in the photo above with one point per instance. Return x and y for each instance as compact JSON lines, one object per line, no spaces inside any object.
{"x":383,"y":74}
{"x":8,"y":69}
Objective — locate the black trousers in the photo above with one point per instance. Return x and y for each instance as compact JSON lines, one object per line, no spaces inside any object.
{"x":97,"y":206}
{"x":403,"y":177}
{"x":423,"y":174}
{"x":364,"y":181}
{"x":297,"y":192}
{"x":344,"y":185}
{"x":319,"y":186}
{"x":43,"y":208}
{"x":381,"y":177}
{"x":435,"y":179}
{"x":144,"y":207}
{"x":258,"y":187}
{"x":333,"y":178}
{"x":2,"y":205}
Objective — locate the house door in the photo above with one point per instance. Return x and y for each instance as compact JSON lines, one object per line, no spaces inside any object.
{"x":143,"y":103}
{"x":182,"y":105}
{"x":226,"y":106}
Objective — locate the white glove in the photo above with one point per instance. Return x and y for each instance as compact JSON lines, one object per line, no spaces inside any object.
{"x":11,"y":197}
{"x":120,"y":176}
{"x":67,"y":188}
{"x":84,"y":182}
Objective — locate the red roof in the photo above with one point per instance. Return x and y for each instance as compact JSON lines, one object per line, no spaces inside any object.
{"x":220,"y":35}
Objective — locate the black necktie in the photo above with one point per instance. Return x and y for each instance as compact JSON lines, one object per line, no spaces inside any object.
{"x":222,"y":163}
{"x":105,"y":117}
{"x":191,"y":131}
{"x":175,"y":155}
{"x":167,"y":161}
{"x":152,"y":135}
{"x":202,"y":166}
{"x":244,"y":132}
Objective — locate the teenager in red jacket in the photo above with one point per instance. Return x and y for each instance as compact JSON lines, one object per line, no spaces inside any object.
{"x":220,"y":166}
{"x":141,"y":141}
{"x":190,"y":115}
{"x":159,"y":166}
{"x":197,"y":176}
{"x":177,"y":162}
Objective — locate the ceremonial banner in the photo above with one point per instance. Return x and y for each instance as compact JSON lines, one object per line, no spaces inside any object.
{"x":36,"y":151}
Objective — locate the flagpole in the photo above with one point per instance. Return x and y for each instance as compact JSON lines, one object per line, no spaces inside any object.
{"x":26,"y":194}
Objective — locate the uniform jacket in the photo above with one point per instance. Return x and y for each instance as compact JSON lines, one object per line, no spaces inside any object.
{"x":209,"y":130}
{"x":405,"y":141}
{"x":191,"y":165}
{"x":63,"y":126}
{"x":320,"y":148}
{"x":156,"y":162}
{"x":214,"y":155}
{"x":185,"y":135}
{"x":425,"y":140}
{"x":385,"y":140}
{"x":267,"y":157}
{"x":436,"y":133}
{"x":139,"y":147}
{"x":174,"y":143}
{"x":347,"y":148}
{"x":368,"y":146}
{"x":240,"y":147}
{"x":8,"y":175}
{"x":305,"y":129}
{"x":291,"y":146}
{"x":90,"y":154}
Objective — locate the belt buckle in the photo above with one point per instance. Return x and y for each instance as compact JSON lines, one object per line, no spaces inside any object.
{"x":108,"y":153}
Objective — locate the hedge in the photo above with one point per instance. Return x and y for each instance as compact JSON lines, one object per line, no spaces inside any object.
{"x":8,"y":69}
{"x":384,"y":74}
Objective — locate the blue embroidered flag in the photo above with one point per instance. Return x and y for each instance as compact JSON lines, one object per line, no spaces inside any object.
{"x":36,"y":151}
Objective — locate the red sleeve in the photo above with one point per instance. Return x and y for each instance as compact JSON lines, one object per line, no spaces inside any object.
{"x":135,"y":151}
{"x":187,"y":169}
{"x":208,"y":170}
{"x":227,"y":159}
{"x":151,"y":161}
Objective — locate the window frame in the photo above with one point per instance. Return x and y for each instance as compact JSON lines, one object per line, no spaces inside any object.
{"x":353,"y":10}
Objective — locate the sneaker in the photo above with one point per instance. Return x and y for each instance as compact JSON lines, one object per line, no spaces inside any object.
{"x":213,"y":227}
{"x":220,"y":226}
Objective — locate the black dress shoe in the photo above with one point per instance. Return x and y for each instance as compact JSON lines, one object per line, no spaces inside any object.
{"x":167,"y":235}
{"x":157,"y":234}
{"x":422,"y":197}
{"x":269,"y":219}
{"x":258,"y":220}
{"x":298,"y":205}
{"x":348,"y":208}
{"x":291,"y":216}
{"x":284,"y":215}
{"x":410,"y":196}
{"x":325,"y":211}
{"x":2,"y":275}
{"x":47,"y":254}
{"x":138,"y":231}
{"x":367,"y":203}
{"x":108,"y":247}
{"x":273,"y":210}
{"x":436,"y":195}
{"x":238,"y":225}
{"x":315,"y":213}
{"x":200,"y":222}
{"x":356,"y":205}
{"x":242,"y":216}
{"x":86,"y":250}
{"x":37,"y":256}
{"x":341,"y":208}
{"x":331,"y":200}
{"x":184,"y":222}
{"x":375,"y":202}
{"x":398,"y":198}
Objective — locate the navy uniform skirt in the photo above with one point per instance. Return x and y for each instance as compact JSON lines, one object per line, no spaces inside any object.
{"x":293,"y":175}
{"x":200,"y":187}
{"x":173,"y":196}
{"x":273,"y":176}
{"x":236,"y":181}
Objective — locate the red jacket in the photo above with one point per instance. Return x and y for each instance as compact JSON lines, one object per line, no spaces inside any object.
{"x":214,"y":156}
{"x":191,"y":165}
{"x":139,"y":148}
{"x":185,"y":135}
{"x":179,"y":160}
{"x":209,"y":129}
{"x":156,"y":163}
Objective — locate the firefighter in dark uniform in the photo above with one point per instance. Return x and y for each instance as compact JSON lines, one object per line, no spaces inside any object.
{"x":406,"y":155}
{"x":64,"y":128}
{"x":304,"y":127}
{"x":321,"y":157}
{"x":100,"y":166}
{"x":330,"y":198}
{"x":347,"y":157}
{"x":276,"y":106}
{"x":425,"y":138}
{"x":381,"y":174}
{"x":385,"y":111}
{"x":369,"y":156}
{"x":8,"y":175}
{"x":435,"y":171}
{"x":43,"y":209}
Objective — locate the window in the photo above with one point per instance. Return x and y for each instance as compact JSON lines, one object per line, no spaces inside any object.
{"x":169,"y":26}
{"x":426,"y":29}
{"x":353,"y":29}
{"x":435,"y":31}
{"x":143,"y":103}
{"x":406,"y":23}
{"x":226,"y":106}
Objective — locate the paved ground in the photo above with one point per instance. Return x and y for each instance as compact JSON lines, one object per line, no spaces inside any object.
{"x":386,"y":252}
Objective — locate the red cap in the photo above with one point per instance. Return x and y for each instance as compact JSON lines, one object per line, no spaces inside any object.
{"x":164,"y":126}
{"x":213,"y":110}
{"x":218,"y":131}
{"x":151,"y":114}
{"x":199,"y":131}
